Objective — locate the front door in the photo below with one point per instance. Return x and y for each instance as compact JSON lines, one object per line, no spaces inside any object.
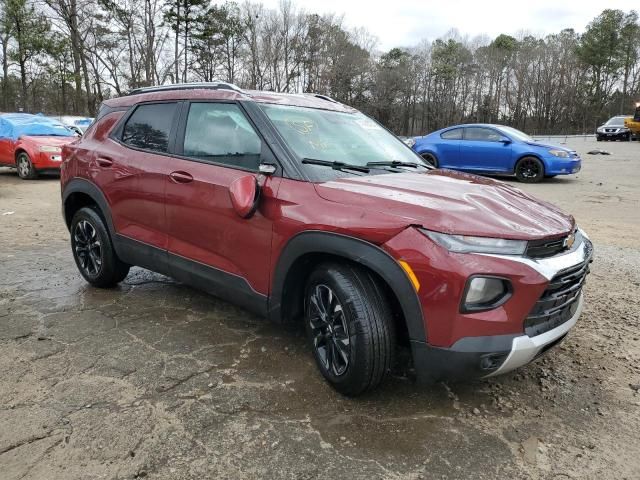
{"x":209,"y":243}
{"x":484,"y":149}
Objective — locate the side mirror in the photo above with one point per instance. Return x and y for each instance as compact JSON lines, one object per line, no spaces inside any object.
{"x":505,"y":140}
{"x":267,"y":168}
{"x":245,"y":195}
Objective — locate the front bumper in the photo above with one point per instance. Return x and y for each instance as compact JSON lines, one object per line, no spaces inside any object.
{"x":556,"y":166}
{"x":49,"y":161}
{"x":545,"y":304}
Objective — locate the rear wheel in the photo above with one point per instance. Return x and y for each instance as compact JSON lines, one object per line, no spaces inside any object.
{"x":529,"y":170}
{"x":93,"y":251}
{"x":430,"y":158}
{"x":349,"y":326}
{"x":25,"y":167}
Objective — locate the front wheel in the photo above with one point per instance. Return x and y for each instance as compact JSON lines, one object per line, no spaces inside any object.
{"x":529,"y":170}
{"x":93,"y":251}
{"x":25,"y":167}
{"x":349,"y":326}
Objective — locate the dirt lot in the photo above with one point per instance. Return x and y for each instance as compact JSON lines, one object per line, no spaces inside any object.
{"x":157,"y":380}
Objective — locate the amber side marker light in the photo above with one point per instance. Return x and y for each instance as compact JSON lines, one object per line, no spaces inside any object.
{"x":412,"y":276}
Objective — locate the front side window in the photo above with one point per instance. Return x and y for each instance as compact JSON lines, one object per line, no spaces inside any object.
{"x":453,"y":134}
{"x":481,"y":134}
{"x":221,"y":133}
{"x":332,"y":136}
{"x":149,"y":127}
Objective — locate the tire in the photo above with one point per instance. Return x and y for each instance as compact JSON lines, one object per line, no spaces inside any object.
{"x":627,"y":138}
{"x":430,"y":158}
{"x":529,"y":170}
{"x":93,"y":251}
{"x":26,"y":170}
{"x":599,"y":139}
{"x":354,"y":343}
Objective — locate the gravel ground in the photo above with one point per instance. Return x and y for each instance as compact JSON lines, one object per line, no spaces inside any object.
{"x":157,"y":380}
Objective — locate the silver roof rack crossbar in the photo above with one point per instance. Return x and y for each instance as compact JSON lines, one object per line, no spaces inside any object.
{"x":215,"y":85}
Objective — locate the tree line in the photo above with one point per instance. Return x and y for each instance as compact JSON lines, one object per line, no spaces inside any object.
{"x":66,"y":56}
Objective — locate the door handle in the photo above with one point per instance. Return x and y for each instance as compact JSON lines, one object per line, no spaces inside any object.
{"x":104,"y":162}
{"x":181,"y":177}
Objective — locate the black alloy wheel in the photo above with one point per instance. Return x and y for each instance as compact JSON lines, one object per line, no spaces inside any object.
{"x":88,"y":248}
{"x":350,"y":326}
{"x":329,"y":329}
{"x":93,"y":251}
{"x":529,"y":170}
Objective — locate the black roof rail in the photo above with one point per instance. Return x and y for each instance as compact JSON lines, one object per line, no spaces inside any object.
{"x":215,"y":85}
{"x":323,"y":97}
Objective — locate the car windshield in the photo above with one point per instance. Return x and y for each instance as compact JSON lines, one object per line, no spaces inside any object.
{"x":330,"y":136}
{"x":512,"y":132}
{"x":615,"y":122}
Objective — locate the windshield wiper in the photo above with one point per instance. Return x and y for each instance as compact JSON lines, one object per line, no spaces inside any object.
{"x":336,"y":165}
{"x":395,"y":163}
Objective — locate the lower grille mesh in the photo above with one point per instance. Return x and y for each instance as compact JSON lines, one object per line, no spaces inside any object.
{"x":559,"y":302}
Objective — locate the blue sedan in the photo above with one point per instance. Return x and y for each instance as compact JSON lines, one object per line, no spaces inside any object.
{"x":496,"y":149}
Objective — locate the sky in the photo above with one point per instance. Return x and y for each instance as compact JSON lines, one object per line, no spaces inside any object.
{"x":406,"y":22}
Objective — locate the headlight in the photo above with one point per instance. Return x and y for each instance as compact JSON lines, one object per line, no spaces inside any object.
{"x":50,"y":149}
{"x":559,"y":153}
{"x":409,"y":141}
{"x":485,"y":293}
{"x":467,"y":244}
{"x":600,"y":129}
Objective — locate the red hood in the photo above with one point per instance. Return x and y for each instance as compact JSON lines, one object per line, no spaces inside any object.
{"x":452,"y":202}
{"x":52,"y":140}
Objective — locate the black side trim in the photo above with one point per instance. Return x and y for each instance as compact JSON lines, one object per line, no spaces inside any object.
{"x":468,"y":358}
{"x":141,"y":254}
{"x":282,"y":301}
{"x":224,"y":285}
{"x":227,"y":286}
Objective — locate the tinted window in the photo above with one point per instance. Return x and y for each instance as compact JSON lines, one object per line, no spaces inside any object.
{"x":482,"y":134}
{"x":220,"y":133}
{"x":455,"y":134}
{"x":149,"y":127}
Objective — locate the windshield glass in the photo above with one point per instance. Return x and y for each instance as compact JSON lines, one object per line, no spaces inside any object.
{"x":351,"y":138}
{"x":512,"y":132}
{"x":616,"y":122}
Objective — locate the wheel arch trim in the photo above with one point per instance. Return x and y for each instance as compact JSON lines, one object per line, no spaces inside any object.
{"x":80,"y":185}
{"x":356,"y":250}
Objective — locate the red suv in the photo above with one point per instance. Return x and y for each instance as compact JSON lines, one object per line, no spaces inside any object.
{"x":300,"y":208}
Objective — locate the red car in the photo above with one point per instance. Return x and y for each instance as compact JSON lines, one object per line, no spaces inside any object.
{"x":302,"y":209}
{"x":32,"y":143}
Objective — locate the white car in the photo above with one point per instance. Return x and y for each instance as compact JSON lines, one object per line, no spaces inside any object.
{"x":77,"y":124}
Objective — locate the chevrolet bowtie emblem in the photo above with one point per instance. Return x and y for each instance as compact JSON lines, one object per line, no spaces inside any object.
{"x":570,"y":240}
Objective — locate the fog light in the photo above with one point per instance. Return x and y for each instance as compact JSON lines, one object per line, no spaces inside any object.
{"x":485,"y":293}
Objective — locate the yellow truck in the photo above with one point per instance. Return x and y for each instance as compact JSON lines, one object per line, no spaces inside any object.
{"x":633,"y":123}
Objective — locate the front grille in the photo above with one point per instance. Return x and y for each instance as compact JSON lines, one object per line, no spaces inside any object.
{"x":559,"y":301}
{"x":545,"y":248}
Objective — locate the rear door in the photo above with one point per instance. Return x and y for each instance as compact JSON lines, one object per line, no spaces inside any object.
{"x":208,"y":242}
{"x":131,"y":168}
{"x":485,"y":149}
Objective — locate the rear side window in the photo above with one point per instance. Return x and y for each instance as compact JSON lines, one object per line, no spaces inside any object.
{"x":149,"y":127}
{"x":221,"y":133}
{"x":453,"y":134}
